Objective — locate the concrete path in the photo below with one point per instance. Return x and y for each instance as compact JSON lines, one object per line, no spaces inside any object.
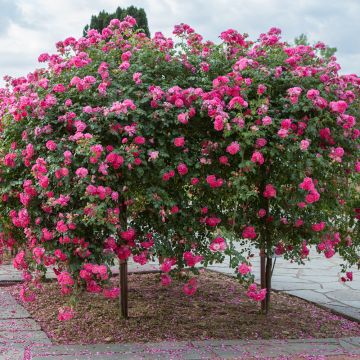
{"x":17,"y":329}
{"x":216,"y":349}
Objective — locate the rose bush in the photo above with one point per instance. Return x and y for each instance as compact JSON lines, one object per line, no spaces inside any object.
{"x":126,"y":146}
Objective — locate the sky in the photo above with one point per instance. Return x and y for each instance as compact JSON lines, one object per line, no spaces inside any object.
{"x":31,"y":27}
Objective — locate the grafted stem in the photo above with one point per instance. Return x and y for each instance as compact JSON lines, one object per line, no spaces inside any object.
{"x":124,"y":294}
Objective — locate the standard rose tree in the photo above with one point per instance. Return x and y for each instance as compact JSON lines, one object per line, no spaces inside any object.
{"x":298,"y":159}
{"x":130,"y":147}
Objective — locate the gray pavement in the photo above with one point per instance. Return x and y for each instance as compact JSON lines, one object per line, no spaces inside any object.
{"x":210,"y":349}
{"x":17,"y":330}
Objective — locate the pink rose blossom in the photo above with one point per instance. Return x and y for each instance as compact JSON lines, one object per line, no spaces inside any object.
{"x":261,"y":142}
{"x":194,"y":181}
{"x":137,"y":78}
{"x":244,"y":269}
{"x":307,"y":184}
{"x":233,"y":148}
{"x":112,"y":293}
{"x":266,"y":120}
{"x":81,"y":172}
{"x":257,"y":157}
{"x":190,"y":287}
{"x":218,"y":244}
{"x":261,"y":89}
{"x":124,"y":66}
{"x":283,"y":133}
{"x":318,"y":227}
{"x":249,"y":233}
{"x":254,"y":294}
{"x":269,"y":191}
{"x":51,"y":145}
{"x":212,"y":221}
{"x":66,"y":313}
{"x":261,"y":213}
{"x":165,"y":280}
{"x":213,"y":181}
{"x":182,"y":169}
{"x":191,"y":259}
{"x":9,"y":160}
{"x":179,"y":141}
{"x":218,"y":123}
{"x":304,"y":144}
{"x":338,"y":106}
{"x":153,"y":155}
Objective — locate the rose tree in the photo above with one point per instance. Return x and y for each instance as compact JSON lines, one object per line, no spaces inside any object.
{"x":126,"y":146}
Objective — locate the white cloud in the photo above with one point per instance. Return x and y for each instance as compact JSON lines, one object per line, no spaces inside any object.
{"x":30,"y":27}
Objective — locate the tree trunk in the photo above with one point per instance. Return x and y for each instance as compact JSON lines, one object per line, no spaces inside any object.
{"x":123,"y":269}
{"x":124,"y":289}
{"x":263,"y":278}
{"x":268,"y":283}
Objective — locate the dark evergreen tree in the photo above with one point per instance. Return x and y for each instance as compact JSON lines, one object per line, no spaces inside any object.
{"x":101,"y":20}
{"x":302,"y":39}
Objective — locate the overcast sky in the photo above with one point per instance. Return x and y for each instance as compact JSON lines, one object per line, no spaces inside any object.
{"x":31,"y":27}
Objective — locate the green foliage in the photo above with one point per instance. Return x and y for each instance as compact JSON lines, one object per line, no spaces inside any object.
{"x":100,"y":21}
{"x":327,"y":52}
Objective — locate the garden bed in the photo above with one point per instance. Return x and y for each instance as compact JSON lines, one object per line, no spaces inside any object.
{"x":6,"y":258}
{"x":219,"y":309}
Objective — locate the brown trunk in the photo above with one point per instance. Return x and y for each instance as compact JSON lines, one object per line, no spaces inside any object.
{"x":123,"y":268}
{"x":263,"y":278}
{"x":268,"y":283}
{"x":124,"y":289}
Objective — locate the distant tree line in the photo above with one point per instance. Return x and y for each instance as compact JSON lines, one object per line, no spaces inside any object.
{"x":327,"y":52}
{"x":102,"y":20}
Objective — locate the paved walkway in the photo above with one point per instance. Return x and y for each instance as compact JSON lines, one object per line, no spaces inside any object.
{"x":216,"y":349}
{"x":17,"y":329}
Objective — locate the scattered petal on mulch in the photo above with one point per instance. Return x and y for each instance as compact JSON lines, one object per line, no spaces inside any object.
{"x":6,"y":258}
{"x":220,"y":309}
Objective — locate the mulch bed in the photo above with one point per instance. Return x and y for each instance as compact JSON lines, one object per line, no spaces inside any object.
{"x":219,"y":309}
{"x":6,"y":258}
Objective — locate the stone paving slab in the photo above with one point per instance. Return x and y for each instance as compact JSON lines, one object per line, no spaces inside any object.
{"x":216,"y":349}
{"x":10,"y":309}
{"x":345,"y":294}
{"x":17,"y":329}
{"x":10,"y":278}
{"x":311,"y":296}
{"x":89,"y":357}
{"x":18,"y":325}
{"x":23,"y":337}
{"x":288,"y":286}
{"x":91,"y":348}
{"x":347,"y":311}
{"x":13,"y":353}
{"x":353,"y":348}
{"x":175,"y":350}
